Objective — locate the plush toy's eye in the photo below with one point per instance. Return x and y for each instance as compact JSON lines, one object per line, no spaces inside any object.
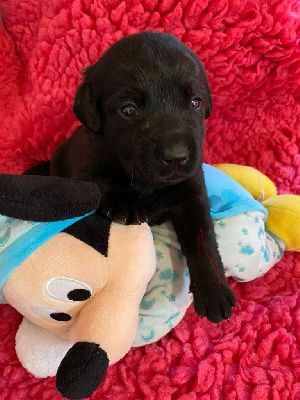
{"x":79,"y":294}
{"x":51,"y":315}
{"x":60,"y":316}
{"x":68,"y":289}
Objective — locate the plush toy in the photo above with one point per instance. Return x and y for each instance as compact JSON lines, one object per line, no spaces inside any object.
{"x":90,"y":289}
{"x":71,"y":273}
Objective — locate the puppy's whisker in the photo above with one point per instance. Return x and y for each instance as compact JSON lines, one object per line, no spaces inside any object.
{"x":149,"y":141}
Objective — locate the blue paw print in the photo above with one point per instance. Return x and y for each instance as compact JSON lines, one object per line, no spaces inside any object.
{"x":245,"y":231}
{"x":171,"y":297}
{"x":221,"y":224}
{"x":169,"y":274}
{"x":261,"y":232}
{"x":247,"y":250}
{"x":159,"y":255}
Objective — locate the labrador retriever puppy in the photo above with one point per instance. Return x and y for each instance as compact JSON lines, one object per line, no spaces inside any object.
{"x":143,"y":106}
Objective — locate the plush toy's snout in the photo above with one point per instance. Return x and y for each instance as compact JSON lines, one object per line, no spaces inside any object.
{"x":81,"y":370}
{"x":105,"y":327}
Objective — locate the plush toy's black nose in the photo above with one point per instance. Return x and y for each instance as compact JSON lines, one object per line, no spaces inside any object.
{"x":81,"y":370}
{"x":176,"y":156}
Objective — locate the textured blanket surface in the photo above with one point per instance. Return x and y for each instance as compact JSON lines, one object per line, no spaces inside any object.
{"x":251,"y":50}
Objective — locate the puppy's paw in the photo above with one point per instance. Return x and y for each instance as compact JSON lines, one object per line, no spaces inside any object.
{"x":122,"y":209}
{"x":215,"y":302}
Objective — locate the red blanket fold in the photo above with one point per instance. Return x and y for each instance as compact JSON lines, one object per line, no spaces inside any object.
{"x":251,"y":50}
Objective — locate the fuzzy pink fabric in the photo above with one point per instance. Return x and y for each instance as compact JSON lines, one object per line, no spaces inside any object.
{"x":251,"y":51}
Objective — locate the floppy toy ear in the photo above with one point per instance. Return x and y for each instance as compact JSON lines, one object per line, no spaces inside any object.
{"x":46,"y":198}
{"x":85,"y":107}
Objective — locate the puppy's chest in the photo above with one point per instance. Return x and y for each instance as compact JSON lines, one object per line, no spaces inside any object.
{"x":141,"y":190}
{"x":157,"y":203}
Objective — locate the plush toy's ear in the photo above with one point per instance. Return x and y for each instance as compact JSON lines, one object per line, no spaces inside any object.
{"x":46,"y":198}
{"x":93,"y":230}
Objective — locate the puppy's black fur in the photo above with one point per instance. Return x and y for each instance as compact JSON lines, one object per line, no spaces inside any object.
{"x":142,"y":106}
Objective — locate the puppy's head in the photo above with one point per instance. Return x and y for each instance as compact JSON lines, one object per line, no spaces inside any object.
{"x":148,"y":96}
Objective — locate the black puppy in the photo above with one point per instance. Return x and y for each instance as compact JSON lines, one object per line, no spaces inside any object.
{"x":142,"y":106}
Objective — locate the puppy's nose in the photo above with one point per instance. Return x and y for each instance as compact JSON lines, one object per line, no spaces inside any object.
{"x":176,"y":156}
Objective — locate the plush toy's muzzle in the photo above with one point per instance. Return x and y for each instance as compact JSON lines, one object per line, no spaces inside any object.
{"x":81,"y":370}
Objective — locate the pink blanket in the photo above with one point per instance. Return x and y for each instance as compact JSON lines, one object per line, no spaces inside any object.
{"x":252,"y":54}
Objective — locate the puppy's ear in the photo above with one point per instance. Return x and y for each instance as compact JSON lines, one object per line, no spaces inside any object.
{"x":209,"y":102}
{"x":208,"y":108}
{"x":85,"y":107}
{"x":203,"y":80}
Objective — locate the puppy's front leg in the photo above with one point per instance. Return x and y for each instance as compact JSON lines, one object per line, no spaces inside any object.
{"x":213,"y":297}
{"x":121,"y":205}
{"x":119,"y":202}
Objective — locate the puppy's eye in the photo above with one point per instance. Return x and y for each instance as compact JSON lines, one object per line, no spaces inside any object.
{"x":129,"y":111}
{"x":195,"y":104}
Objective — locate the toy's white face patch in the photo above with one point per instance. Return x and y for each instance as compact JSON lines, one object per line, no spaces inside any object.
{"x":51,"y":315}
{"x":64,"y":289}
{"x":67,"y":289}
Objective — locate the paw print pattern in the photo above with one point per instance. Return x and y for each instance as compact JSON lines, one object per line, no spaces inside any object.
{"x":171,"y":297}
{"x":159,"y":255}
{"x":168,"y":274}
{"x":246,"y":249}
{"x":221,"y":224}
{"x":261,"y":233}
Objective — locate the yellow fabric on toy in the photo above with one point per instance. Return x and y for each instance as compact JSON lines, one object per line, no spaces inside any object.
{"x":284,"y":219}
{"x":283,"y":210}
{"x":250,"y":178}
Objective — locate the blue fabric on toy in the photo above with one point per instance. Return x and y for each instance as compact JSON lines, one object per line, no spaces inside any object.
{"x":227,"y":197}
{"x":18,"y":239}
